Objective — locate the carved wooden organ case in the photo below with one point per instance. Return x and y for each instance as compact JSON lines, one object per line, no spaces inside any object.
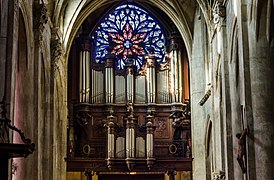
{"x":128,"y":119}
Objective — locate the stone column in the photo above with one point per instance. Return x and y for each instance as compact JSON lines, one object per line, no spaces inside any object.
{"x":261,"y":55}
{"x":58,"y":104}
{"x":42,"y":93}
{"x":197,"y":90}
{"x":218,"y":55}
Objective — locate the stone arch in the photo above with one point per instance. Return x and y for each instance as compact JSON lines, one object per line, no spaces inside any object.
{"x":208,"y":148}
{"x":23,"y":7}
{"x":21,"y":96}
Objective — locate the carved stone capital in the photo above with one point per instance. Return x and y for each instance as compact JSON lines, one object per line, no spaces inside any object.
{"x":220,"y":175}
{"x":218,"y":12}
{"x":56,"y":52}
{"x":40,"y":18}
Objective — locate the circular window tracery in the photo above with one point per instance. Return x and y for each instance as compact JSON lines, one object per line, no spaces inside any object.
{"x":129,"y":30}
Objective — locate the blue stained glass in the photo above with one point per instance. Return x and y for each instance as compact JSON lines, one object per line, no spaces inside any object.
{"x":130,"y":30}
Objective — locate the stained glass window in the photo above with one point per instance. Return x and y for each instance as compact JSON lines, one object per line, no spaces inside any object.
{"x":129,"y":30}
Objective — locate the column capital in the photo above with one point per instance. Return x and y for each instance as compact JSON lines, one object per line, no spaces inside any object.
{"x":218,"y":12}
{"x":40,"y":18}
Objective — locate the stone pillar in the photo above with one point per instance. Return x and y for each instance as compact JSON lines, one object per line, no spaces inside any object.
{"x":58,"y":104}
{"x":42,"y":93}
{"x":261,"y":55}
{"x":218,"y":56}
{"x":197,"y":91}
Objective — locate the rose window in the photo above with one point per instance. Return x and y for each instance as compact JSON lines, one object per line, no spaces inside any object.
{"x":129,"y":30}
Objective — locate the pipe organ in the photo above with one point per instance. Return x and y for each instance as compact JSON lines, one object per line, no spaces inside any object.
{"x":131,"y":116}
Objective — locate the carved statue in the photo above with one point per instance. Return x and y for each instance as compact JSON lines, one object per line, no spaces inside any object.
{"x":130,"y":107}
{"x":241,"y":149}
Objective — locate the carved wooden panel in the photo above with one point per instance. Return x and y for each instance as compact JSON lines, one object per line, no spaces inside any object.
{"x":162,"y":130}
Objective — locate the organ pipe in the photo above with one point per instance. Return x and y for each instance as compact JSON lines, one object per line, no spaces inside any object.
{"x":109,"y":79}
{"x":130,"y":79}
{"x":150,"y":79}
{"x":84,"y":69}
{"x":176,"y":69}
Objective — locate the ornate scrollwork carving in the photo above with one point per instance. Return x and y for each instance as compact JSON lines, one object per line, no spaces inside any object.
{"x":82,"y":118}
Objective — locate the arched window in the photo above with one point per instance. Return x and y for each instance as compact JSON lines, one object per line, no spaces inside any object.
{"x":129,"y":30}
